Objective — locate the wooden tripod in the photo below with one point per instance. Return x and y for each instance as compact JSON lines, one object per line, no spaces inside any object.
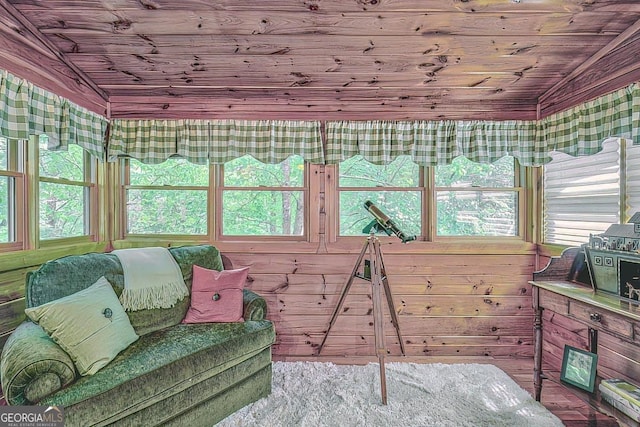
{"x":375,"y":273}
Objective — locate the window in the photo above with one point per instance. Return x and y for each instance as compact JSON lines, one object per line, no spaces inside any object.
{"x":65,"y":183}
{"x":474,"y":199}
{"x":167,"y":198}
{"x":471,"y":199}
{"x":584,"y":195}
{"x":11,"y":194}
{"x":259,"y":199}
{"x":396,"y":189}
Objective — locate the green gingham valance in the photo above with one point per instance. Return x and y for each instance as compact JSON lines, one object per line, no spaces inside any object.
{"x":577,"y":131}
{"x":269,"y":141}
{"x":27,"y":110}
{"x":219,"y":141}
{"x":154,"y":141}
{"x":580,"y":130}
{"x":432,"y":143}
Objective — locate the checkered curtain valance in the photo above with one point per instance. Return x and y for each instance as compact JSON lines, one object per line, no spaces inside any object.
{"x":580,"y":130}
{"x":432,"y":143}
{"x":27,"y":110}
{"x":219,"y":141}
{"x":577,"y":131}
{"x":154,"y":141}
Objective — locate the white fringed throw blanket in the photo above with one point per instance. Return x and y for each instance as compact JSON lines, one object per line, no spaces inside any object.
{"x":152,"y":279}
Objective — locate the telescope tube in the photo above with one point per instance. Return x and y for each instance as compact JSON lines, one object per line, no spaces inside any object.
{"x":387,"y":223}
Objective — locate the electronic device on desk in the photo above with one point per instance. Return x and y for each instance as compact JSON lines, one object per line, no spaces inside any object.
{"x":613,"y":259}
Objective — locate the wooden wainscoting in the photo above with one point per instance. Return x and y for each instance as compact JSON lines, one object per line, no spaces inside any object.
{"x":449,"y":303}
{"x":14,"y":267}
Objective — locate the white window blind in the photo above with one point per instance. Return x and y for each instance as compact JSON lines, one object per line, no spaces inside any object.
{"x":633,"y":179}
{"x":582,"y":195}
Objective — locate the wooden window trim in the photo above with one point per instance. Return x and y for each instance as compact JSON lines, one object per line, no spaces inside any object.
{"x":306,"y":236}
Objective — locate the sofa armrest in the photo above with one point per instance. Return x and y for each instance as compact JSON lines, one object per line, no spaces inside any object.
{"x":255,"y":307}
{"x":33,"y":366}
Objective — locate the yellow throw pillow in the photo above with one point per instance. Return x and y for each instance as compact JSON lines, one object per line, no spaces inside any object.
{"x":90,"y":325}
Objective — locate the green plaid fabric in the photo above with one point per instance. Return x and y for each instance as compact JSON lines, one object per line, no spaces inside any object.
{"x":26,"y":110}
{"x":432,"y":143}
{"x":269,"y":141}
{"x":154,"y":141}
{"x":580,"y":130}
{"x":14,"y":106}
{"x":86,"y":129}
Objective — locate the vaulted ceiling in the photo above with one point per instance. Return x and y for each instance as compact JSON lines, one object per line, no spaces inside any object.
{"x":323,"y":59}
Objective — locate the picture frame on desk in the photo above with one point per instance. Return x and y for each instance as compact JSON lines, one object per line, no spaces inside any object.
{"x":579,"y":368}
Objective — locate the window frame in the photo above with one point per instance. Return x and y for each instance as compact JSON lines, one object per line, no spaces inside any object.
{"x":16,"y":203}
{"x":90,"y":199}
{"x":125,"y":185}
{"x":220,"y":188}
{"x":429,"y":191}
{"x":519,"y":179}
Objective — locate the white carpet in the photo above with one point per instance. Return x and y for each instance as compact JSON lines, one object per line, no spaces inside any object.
{"x":317,"y":394}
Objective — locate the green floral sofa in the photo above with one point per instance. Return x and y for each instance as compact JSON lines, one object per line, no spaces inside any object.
{"x":174,"y":374}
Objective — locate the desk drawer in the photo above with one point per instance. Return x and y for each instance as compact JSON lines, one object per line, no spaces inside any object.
{"x":554,"y":302}
{"x":601,"y":319}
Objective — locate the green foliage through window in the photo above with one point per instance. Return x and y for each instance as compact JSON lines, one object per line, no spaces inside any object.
{"x":166,"y":211}
{"x":403,"y":207}
{"x":393,"y":188}
{"x":172,"y":172}
{"x":263,"y":213}
{"x":261,"y":199}
{"x":63,"y":192}
{"x":168,"y":198}
{"x":4,"y":209}
{"x":61,"y":210}
{"x":467,"y":200}
{"x":472,"y":199}
{"x":4,"y":193}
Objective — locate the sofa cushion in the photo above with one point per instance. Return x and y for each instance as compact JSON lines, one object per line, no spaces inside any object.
{"x":64,"y":276}
{"x":29,"y":353}
{"x":206,"y":256}
{"x":90,"y":325}
{"x":162,"y":364}
{"x":216,"y":296}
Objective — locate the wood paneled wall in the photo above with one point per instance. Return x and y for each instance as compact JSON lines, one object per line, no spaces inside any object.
{"x":452,"y":299}
{"x":13,"y":272}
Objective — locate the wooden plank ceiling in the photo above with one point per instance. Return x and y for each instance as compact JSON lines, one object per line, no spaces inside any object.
{"x":337,"y":59}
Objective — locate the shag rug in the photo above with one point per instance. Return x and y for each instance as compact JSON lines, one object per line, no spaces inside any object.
{"x":324,"y":394}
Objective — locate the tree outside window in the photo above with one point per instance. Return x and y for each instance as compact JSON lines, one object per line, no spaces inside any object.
{"x":471,"y":199}
{"x":259,"y":199}
{"x":167,"y":198}
{"x":393,"y":188}
{"x":65,"y":182}
{"x":477,"y":199}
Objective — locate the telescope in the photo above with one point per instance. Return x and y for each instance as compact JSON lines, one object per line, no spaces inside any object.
{"x":382,"y":223}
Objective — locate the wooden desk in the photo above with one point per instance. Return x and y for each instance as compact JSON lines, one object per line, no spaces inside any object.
{"x":580,"y":317}
{"x":569,"y":312}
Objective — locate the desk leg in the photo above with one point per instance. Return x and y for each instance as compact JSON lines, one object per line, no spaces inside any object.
{"x":537,"y":334}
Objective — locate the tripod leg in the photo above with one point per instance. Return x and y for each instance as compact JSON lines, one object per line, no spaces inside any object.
{"x":343,"y":296}
{"x":378,"y":319}
{"x":390,"y":304}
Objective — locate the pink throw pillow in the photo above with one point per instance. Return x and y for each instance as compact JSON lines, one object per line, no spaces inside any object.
{"x":216,"y":296}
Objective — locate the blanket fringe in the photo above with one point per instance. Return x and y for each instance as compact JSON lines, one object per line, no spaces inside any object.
{"x":165,"y":296}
